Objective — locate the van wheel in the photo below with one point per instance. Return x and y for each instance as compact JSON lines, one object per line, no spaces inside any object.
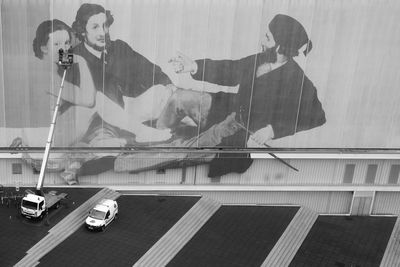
{"x":103,"y":228}
{"x":57,"y":205}
{"x":116,"y":216}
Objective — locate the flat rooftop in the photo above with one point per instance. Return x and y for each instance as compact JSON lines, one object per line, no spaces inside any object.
{"x":233,"y":236}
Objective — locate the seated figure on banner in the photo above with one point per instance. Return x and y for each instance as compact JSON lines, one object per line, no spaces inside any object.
{"x":275,"y":98}
{"x":123,"y":78}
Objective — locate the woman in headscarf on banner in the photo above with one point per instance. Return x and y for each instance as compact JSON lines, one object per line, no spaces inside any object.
{"x":75,"y":110}
{"x":77,"y":102}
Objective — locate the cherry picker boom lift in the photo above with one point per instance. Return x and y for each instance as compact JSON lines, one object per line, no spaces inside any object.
{"x":36,"y":204}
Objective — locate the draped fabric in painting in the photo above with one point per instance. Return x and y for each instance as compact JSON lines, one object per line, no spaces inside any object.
{"x":352,"y":68}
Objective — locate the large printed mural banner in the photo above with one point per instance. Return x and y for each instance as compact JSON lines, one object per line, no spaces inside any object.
{"x":202,"y":73}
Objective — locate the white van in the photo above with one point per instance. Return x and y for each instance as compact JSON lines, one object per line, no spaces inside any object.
{"x":102,"y":214}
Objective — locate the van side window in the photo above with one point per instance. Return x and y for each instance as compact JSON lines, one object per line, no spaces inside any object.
{"x":41,"y":205}
{"x":108,"y":215}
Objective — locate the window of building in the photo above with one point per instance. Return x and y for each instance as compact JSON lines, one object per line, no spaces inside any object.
{"x":348,"y":173}
{"x":394,"y":174}
{"x":160,"y":171}
{"x":16,"y":168}
{"x":35,"y":171}
{"x":371,"y":174}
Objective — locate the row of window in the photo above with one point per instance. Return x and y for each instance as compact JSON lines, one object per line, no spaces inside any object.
{"x":348,"y":175}
{"x":371,"y":174}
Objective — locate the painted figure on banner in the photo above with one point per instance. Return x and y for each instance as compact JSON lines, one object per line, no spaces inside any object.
{"x":275,"y":97}
{"x":139,"y":88}
{"x":121,"y":76}
{"x":52,"y":35}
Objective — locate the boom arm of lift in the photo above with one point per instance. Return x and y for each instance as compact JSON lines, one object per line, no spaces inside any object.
{"x":65,"y":60}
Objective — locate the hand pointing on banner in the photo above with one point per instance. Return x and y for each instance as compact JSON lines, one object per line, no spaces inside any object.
{"x":183,"y":64}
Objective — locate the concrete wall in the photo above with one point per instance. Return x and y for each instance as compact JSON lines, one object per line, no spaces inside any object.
{"x":327,"y":186}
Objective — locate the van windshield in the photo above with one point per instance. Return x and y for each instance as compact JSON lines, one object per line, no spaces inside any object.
{"x":97,"y":214}
{"x":29,"y":204}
